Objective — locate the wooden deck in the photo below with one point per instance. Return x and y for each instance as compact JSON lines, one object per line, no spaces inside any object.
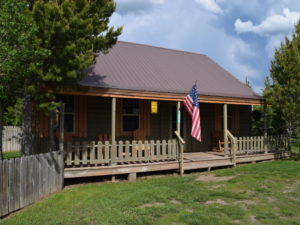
{"x":192,"y":161}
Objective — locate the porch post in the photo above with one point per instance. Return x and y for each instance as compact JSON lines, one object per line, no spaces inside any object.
{"x":113,"y":120}
{"x":113,"y":133}
{"x":225,"y":129}
{"x":179,"y":142}
{"x":61,"y":128}
{"x":265,"y":129}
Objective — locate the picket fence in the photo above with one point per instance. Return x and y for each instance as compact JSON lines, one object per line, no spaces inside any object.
{"x":25,"y":180}
{"x":11,"y":138}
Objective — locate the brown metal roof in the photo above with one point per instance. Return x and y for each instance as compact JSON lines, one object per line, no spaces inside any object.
{"x":134,"y":66}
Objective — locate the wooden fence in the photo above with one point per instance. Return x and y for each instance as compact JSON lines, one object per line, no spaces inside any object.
{"x":258,"y":144}
{"x":25,"y":180}
{"x":11,"y":138}
{"x":107,"y":153}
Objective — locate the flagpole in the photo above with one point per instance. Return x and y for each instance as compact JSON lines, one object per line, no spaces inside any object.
{"x":181,"y":170}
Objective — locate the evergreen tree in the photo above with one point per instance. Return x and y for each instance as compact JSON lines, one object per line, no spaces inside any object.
{"x":73,"y":31}
{"x":283,"y":87}
{"x":20,"y":53}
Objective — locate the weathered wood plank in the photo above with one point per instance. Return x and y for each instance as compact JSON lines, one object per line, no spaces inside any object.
{"x":93,"y":150}
{"x":84,"y":152}
{"x":69,"y":154}
{"x":140,"y":151}
{"x":147,"y":151}
{"x":134,"y":152}
{"x":5,"y":188}
{"x":164,"y":149}
{"x":107,"y":152}
{"x":152,"y":150}
{"x":17,"y":183}
{"x":11,"y":184}
{"x":120,"y":157}
{"x":100,"y":154}
{"x":127,"y":152}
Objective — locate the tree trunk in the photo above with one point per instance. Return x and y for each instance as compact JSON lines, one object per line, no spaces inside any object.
{"x":27,"y":136}
{"x":1,"y":129}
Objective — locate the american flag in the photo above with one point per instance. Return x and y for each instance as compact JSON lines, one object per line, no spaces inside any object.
{"x":192,"y":106}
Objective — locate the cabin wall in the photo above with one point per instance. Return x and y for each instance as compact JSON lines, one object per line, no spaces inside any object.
{"x":98,"y":117}
{"x":99,"y":122}
{"x":245,"y":120}
{"x":207,"y":127}
{"x":160,"y":123}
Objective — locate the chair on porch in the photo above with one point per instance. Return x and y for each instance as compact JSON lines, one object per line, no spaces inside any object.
{"x":218,"y":141}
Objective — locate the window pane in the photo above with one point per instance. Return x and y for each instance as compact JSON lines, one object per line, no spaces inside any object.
{"x":130,"y":106}
{"x":69,"y":122}
{"x":130,"y":123}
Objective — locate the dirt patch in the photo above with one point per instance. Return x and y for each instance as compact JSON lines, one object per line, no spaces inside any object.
{"x":218,"y":201}
{"x":152,"y":204}
{"x":253,"y":219}
{"x":271,"y":199}
{"x":174,"y":201}
{"x":217,"y":186}
{"x":245,"y":202}
{"x":213,"y":178}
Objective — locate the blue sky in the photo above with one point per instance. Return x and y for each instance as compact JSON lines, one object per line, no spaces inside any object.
{"x":239,"y":35}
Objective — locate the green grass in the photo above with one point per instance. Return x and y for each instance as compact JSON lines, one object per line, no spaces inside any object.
{"x":262,"y":193}
{"x":9,"y":155}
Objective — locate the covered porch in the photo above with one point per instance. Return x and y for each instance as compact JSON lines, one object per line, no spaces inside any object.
{"x":103,"y":159}
{"x":155,"y":146}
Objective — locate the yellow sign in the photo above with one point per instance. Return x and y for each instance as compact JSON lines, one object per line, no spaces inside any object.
{"x":154,"y":107}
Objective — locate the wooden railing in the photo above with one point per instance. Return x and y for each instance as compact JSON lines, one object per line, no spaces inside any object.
{"x":103,"y":154}
{"x":258,"y":144}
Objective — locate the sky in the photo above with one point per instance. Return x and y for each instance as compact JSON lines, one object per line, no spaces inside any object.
{"x":239,"y":35}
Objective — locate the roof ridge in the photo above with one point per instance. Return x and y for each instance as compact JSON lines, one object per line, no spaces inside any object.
{"x":170,"y":49}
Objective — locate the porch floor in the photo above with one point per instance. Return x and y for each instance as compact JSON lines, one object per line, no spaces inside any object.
{"x":192,"y":161}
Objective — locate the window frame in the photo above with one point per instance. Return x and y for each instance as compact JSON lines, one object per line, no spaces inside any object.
{"x":70,"y":113}
{"x":129,"y":133}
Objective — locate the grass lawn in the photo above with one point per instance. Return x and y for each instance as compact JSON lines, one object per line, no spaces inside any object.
{"x":262,"y":193}
{"x":9,"y":155}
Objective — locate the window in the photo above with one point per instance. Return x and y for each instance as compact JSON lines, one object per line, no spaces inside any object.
{"x":69,"y":116}
{"x":130,"y":115}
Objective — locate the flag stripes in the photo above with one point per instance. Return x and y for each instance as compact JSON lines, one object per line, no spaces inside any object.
{"x":192,"y":106}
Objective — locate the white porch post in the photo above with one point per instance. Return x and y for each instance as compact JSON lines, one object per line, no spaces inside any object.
{"x":113,"y":120}
{"x":225,"y":129}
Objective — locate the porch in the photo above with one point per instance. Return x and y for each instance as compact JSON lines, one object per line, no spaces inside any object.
{"x":84,"y":159}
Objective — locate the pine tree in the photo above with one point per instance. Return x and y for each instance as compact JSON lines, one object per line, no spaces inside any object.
{"x":20,"y":53}
{"x":283,"y":87}
{"x":73,"y":31}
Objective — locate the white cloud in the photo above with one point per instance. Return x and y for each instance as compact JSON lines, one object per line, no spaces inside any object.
{"x":272,"y":25}
{"x":210,"y":5}
{"x":136,"y":6}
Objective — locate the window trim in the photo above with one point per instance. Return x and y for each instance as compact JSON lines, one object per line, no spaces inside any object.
{"x":74,"y":113}
{"x":129,"y":133}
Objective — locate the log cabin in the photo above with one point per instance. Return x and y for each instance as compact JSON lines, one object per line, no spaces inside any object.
{"x":128,"y":118}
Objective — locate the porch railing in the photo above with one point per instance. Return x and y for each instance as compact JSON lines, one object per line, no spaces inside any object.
{"x":100,"y":154}
{"x":258,"y":144}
